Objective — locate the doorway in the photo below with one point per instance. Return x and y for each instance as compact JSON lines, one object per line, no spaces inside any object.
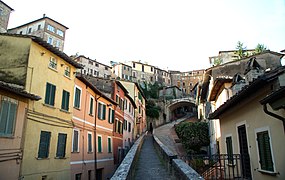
{"x":245,"y":159}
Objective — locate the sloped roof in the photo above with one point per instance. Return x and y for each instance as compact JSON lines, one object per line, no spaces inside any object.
{"x":18,"y":90}
{"x":247,"y":91}
{"x":49,"y":47}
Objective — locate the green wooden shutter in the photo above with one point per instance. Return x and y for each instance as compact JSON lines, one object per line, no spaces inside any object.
{"x":77,"y":98}
{"x":104,"y":112}
{"x":53,"y":88}
{"x":63,"y":103}
{"x":110,"y":115}
{"x":61,"y":145}
{"x":99,"y":110}
{"x":44,"y":144}
{"x":265,"y":156}
{"x":89,"y":142}
{"x":113,"y":116}
{"x":75,"y":141}
{"x":91,"y":106}
{"x":11,"y":118}
{"x":48,"y":90}
{"x":109,"y":145}
{"x":99,"y":144}
{"x":229,"y":149}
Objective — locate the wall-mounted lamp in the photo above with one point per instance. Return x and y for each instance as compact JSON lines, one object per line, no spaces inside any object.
{"x":61,"y":65}
{"x":109,"y":105}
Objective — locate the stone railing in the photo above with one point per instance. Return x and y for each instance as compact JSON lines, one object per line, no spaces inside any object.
{"x":126,"y":169}
{"x":178,"y":168}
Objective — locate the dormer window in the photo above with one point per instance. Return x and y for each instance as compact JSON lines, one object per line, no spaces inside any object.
{"x":53,"y":63}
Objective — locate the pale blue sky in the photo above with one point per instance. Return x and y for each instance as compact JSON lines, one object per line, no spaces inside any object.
{"x":173,"y":34}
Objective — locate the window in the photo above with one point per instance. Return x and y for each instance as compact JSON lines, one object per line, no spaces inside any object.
{"x":96,"y":64}
{"x":39,"y":27}
{"x":50,"y":40}
{"x":50,"y":28}
{"x":134,"y":65}
{"x":89,"y":142}
{"x":8,"y":116}
{"x":101,"y":111}
{"x":264,"y":150}
{"x":130,"y":107}
{"x":142,"y":68}
{"x":61,"y":145}
{"x":59,"y":32}
{"x":124,"y":67}
{"x":125,"y":124}
{"x":50,"y":94}
{"x":52,"y":63}
{"x":111,"y":116}
{"x":57,"y":43}
{"x":130,"y":127}
{"x":77,"y":97}
{"x":89,"y":174}
{"x":90,"y":62}
{"x":67,"y":71}
{"x":65,"y":100}
{"x":99,"y":144}
{"x":151,"y":69}
{"x":78,"y":176}
{"x":229,"y":149}
{"x":91,"y":105}
{"x":109,"y":145}
{"x":117,"y":99}
{"x":134,"y":74}
{"x":30,"y":30}
{"x":106,"y":68}
{"x":75,"y":141}
{"x":44,"y":144}
{"x":151,"y":78}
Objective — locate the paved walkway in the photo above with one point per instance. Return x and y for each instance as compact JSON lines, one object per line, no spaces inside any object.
{"x":167,"y":135}
{"x":149,"y":165}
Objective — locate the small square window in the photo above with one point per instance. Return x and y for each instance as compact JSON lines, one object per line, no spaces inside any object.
{"x":67,"y":71}
{"x":53,"y":63}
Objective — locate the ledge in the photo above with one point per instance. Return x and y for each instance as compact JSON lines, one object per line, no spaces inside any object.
{"x":271,"y":173}
{"x":183,"y":171}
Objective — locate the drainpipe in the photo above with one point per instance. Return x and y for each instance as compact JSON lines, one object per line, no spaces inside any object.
{"x":95,"y":138}
{"x":274,"y":115}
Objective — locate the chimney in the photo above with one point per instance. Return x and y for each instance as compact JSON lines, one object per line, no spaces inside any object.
{"x":44,"y":15}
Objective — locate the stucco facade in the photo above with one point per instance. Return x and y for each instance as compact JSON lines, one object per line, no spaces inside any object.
{"x":129,"y":121}
{"x":45,"y":71}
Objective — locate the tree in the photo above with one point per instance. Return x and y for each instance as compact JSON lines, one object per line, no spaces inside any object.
{"x":218,"y":61}
{"x":260,"y":48}
{"x":240,"y":50}
{"x":193,"y":135}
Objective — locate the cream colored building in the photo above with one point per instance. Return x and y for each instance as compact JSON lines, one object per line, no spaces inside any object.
{"x":47,"y":72}
{"x":253,"y":125}
{"x":46,"y":28}
{"x":93,"y":68}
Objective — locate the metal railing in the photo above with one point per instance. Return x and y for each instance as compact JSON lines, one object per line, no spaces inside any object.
{"x":219,"y":166}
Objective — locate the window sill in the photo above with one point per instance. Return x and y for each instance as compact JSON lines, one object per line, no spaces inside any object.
{"x":77,"y":108}
{"x":65,"y":111}
{"x":68,"y":77}
{"x":7,"y":136}
{"x":271,"y":173}
{"x":53,"y":69}
{"x":91,"y":115}
{"x":231,"y":165}
{"x":75,"y":152}
{"x":91,"y":152}
{"x":60,"y":158}
{"x":48,"y":105}
{"x":42,"y":158}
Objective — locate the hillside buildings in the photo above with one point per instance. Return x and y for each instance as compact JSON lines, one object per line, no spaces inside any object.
{"x":5,"y":12}
{"x":46,"y":28}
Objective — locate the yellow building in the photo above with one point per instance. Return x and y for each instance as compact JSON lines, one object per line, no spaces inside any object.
{"x":43,"y":70}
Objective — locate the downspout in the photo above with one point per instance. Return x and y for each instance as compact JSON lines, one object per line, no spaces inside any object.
{"x":274,"y":115}
{"x":95,"y":137}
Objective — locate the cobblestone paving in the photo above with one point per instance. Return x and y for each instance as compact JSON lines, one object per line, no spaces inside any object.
{"x":149,"y":165}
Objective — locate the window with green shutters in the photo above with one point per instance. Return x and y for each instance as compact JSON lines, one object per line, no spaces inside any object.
{"x":101,"y":111}
{"x":65,"y":100}
{"x":89,"y":139}
{"x":75,"y":141}
{"x":91,"y":106}
{"x":61,"y":145}
{"x":99,"y":144}
{"x":109,"y":145}
{"x":229,"y":149}
{"x":111,"y":117}
{"x":50,"y":94}
{"x":77,"y":96}
{"x":130,"y":126}
{"x":44,"y":144}
{"x":8,"y":114}
{"x":264,"y":150}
